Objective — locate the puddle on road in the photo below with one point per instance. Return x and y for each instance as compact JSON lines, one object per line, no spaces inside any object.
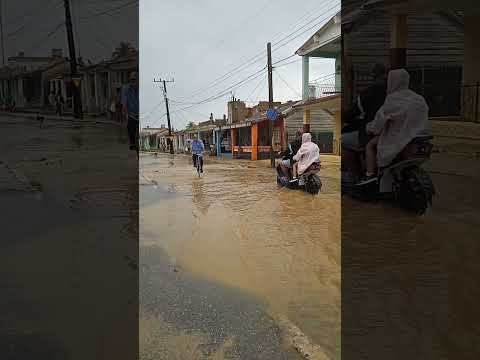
{"x":235,"y":226}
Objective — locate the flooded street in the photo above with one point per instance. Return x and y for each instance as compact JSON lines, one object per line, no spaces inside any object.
{"x":272,"y":254}
{"x":68,"y":199}
{"x":414,"y":272}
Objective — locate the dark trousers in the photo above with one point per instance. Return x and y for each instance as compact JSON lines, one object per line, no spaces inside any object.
{"x":132,"y":128}
{"x":194,"y":158}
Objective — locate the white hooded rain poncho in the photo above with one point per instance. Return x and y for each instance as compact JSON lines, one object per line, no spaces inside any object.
{"x":308,"y":153}
{"x":403,"y":116}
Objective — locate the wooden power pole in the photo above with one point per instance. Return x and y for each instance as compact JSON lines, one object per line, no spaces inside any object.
{"x":77,"y":100}
{"x":1,"y":33}
{"x":270,"y":102}
{"x":170,"y":142}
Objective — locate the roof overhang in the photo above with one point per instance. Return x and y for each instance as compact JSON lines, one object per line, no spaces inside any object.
{"x":467,"y":6}
{"x":330,"y":103}
{"x":326,"y":42}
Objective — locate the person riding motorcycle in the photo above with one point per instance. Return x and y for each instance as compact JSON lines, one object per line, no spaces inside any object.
{"x":307,"y":157}
{"x":287,"y":161}
{"x":354,"y":134}
{"x":403,"y":117}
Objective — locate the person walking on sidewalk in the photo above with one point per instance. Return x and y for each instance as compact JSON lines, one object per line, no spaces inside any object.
{"x":130,"y":107}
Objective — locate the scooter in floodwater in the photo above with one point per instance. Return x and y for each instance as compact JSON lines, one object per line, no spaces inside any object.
{"x":309,"y":181}
{"x":404,"y":181}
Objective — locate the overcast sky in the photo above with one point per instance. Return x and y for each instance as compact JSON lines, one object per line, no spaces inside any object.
{"x":36,"y":26}
{"x":195,"y":42}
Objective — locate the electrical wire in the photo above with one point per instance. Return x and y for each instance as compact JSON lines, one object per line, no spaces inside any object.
{"x":287,"y":84}
{"x":262,"y":80}
{"x":260,"y":56}
{"x":29,"y":17}
{"x":227,"y":90}
{"x":289,"y":63}
{"x":111,"y":10}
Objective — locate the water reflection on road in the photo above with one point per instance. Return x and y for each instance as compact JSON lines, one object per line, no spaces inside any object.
{"x":234,"y":226}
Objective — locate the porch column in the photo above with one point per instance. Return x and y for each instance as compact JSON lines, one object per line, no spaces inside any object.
{"x":305,"y":76}
{"x":398,"y":41}
{"x":20,"y":94}
{"x":283,"y":142}
{"x":307,"y":117}
{"x":218,"y":143}
{"x":471,"y":70}
{"x":338,"y":73}
{"x":338,"y":130}
{"x":95,"y":84}
{"x":234,"y":139}
{"x":305,"y":91}
{"x":254,"y":134}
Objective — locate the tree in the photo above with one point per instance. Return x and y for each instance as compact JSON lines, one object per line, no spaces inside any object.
{"x":190,"y":125}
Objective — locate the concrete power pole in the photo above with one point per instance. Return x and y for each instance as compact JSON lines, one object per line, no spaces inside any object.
{"x":270,"y":102}
{"x":77,"y":100}
{"x":170,"y":142}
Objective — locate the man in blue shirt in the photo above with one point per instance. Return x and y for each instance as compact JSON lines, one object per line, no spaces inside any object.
{"x":130,"y":107}
{"x":197,"y":152}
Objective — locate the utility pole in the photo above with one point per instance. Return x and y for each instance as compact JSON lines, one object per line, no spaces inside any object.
{"x":270,"y":102}
{"x":1,"y":33}
{"x":170,"y":142}
{"x":77,"y":100}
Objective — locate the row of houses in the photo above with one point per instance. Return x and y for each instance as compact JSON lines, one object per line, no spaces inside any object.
{"x":27,"y":82}
{"x":245,"y":133}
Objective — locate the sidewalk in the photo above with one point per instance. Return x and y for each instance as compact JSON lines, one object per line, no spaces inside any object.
{"x":52,"y":117}
{"x":456,"y":137}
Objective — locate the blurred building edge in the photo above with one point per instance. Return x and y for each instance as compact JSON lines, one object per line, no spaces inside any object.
{"x":434,"y":40}
{"x":28,"y":81}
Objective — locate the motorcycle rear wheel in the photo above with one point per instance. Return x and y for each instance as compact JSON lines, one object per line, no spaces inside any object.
{"x":415,"y":191}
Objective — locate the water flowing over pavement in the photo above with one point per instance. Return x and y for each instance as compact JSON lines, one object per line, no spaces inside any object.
{"x":68,"y":218}
{"x":415,"y":273}
{"x":232,"y":260}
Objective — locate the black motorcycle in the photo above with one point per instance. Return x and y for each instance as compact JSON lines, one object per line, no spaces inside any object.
{"x":403,"y":181}
{"x":309,"y":181}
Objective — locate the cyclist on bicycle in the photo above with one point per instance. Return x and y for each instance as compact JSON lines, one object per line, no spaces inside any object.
{"x":197,"y":152}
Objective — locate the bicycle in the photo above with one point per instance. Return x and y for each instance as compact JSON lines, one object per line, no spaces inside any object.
{"x":198,"y":164}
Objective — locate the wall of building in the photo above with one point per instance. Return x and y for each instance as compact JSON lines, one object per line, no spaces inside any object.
{"x":433,"y":41}
{"x":322,"y":126}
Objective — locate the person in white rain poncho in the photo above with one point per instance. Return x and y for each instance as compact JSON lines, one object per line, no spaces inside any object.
{"x":308,"y":154}
{"x":403,"y":116}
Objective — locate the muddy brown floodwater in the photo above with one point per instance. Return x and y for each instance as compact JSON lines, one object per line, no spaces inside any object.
{"x":235,"y":227}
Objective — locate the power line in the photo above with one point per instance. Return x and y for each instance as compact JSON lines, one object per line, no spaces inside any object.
{"x":28,"y":17}
{"x":287,"y":84}
{"x":227,"y":90}
{"x":40,"y":43}
{"x":310,"y":21}
{"x":286,"y":58}
{"x":289,"y":63}
{"x":299,"y":21}
{"x":111,"y":10}
{"x":324,"y":77}
{"x":308,"y":29}
{"x":262,"y":81}
{"x":246,"y":21}
{"x":258,"y":57}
